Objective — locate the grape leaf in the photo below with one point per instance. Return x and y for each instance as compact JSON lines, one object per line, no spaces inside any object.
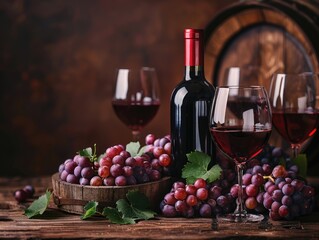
{"x":133,"y":148}
{"x":136,"y":207}
{"x":138,"y":200}
{"x":197,"y":167}
{"x":115,"y":216}
{"x":89,"y":210}
{"x":301,"y":162}
{"x":39,"y":206}
{"x":89,"y":153}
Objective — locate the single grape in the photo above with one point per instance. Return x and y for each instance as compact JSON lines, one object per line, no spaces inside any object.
{"x":84,"y":181}
{"x":191,"y":200}
{"x":257,"y":179}
{"x":96,"y":181}
{"x":190,"y":189}
{"x":180,"y":194}
{"x":247,"y":178}
{"x":252,"y":190}
{"x":118,"y":159}
{"x":215,"y":192}
{"x":170,"y":199}
{"x":200,"y":183}
{"x":116,"y":170}
{"x":125,"y":154}
{"x":205,"y":210}
{"x":288,"y":189}
{"x":109,"y":181}
{"x":155,"y":175}
{"x":130,"y":161}
{"x":84,"y":162}
{"x":164,"y":160}
{"x":70,"y":166}
{"x":149,"y":139}
{"x":63,"y":175}
{"x":180,"y":206}
{"x":277,"y":195}
{"x":29,"y":190}
{"x":202,"y":194}
{"x":222,"y":201}
{"x":20,"y":195}
{"x":279,"y":171}
{"x":251,"y":203}
{"x":103,"y":171}
{"x":178,"y":185}
{"x":71,"y":178}
{"x":77,"y":171}
{"x":120,"y":181}
{"x":283,"y":211}
{"x":105,"y":161}
{"x":169,"y":211}
{"x":87,"y":172}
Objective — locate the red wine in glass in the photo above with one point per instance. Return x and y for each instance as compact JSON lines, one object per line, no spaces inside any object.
{"x":236,"y":142}
{"x":293,"y":101}
{"x":135,"y":115}
{"x":240,"y":125}
{"x":296,"y":127}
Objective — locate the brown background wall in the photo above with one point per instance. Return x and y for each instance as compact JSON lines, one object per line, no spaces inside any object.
{"x":57,"y":64}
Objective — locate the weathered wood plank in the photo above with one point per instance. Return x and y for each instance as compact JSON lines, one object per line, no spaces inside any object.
{"x":57,"y":224}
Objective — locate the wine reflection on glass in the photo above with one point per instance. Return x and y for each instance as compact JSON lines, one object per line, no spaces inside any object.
{"x":136,"y":98}
{"x":293,"y":100}
{"x":240,"y":125}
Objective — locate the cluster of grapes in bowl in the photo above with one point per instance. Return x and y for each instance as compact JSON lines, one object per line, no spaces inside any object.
{"x":268,"y":187}
{"x":116,"y":167}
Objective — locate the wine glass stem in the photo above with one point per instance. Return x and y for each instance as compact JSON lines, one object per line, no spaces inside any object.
{"x":295,"y":150}
{"x":136,"y":135}
{"x":240,"y":211}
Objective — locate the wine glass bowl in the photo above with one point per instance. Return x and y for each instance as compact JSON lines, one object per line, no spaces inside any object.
{"x":293,"y":101}
{"x":240,"y":125}
{"x":136,"y":98}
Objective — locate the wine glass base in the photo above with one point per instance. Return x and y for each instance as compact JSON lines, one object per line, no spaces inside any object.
{"x":239,"y":218}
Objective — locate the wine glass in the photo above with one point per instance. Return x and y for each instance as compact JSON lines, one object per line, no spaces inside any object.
{"x":293,"y":101}
{"x":240,"y":125}
{"x":136,"y":98}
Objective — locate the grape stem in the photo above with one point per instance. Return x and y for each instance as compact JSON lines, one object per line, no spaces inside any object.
{"x":269,"y":177}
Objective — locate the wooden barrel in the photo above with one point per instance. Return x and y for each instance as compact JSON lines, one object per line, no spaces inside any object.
{"x":73,"y":197}
{"x":273,"y":36}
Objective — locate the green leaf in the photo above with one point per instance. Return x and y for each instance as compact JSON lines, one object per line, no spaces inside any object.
{"x":138,"y":199}
{"x":116,"y":217}
{"x":129,"y":211}
{"x":197,"y":167}
{"x":133,"y":148}
{"x":89,"y":210}
{"x":301,"y":162}
{"x":213,"y":174}
{"x":86,"y":152}
{"x":141,"y":151}
{"x":39,"y":206}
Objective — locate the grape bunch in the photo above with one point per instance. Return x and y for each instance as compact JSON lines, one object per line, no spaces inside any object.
{"x":116,"y":167}
{"x":202,"y":199}
{"x":268,"y":187}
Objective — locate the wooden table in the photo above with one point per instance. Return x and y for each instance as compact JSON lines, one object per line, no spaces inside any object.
{"x":57,"y":224}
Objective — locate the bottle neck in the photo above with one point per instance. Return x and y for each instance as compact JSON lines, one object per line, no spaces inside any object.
{"x":194,"y":58}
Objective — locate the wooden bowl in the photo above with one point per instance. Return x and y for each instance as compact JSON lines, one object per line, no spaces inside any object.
{"x":73,"y":197}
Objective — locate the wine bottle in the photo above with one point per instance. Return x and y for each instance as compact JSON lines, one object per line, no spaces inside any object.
{"x":190,"y":105}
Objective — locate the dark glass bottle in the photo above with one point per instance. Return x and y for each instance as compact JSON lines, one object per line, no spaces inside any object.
{"x":190,"y":105}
